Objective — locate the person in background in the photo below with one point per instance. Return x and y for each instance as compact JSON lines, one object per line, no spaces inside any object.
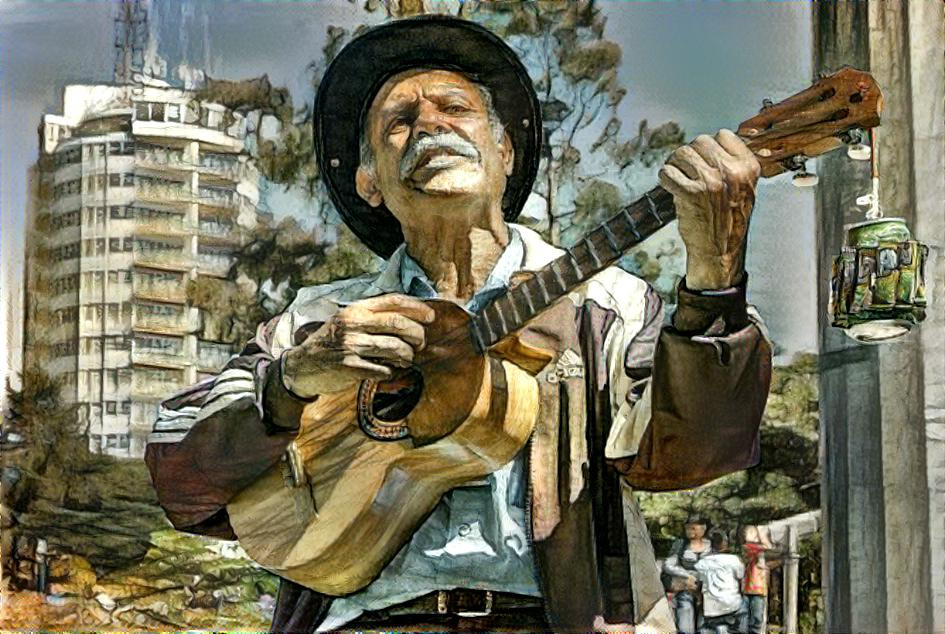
{"x":681,"y":567}
{"x":721,"y":574}
{"x":756,"y":540}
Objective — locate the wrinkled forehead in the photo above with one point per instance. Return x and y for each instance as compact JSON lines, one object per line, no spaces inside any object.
{"x":405,"y":86}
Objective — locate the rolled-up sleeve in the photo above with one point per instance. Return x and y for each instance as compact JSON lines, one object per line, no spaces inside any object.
{"x":699,"y":413}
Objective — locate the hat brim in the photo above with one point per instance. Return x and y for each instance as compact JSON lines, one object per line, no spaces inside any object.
{"x":438,"y":42}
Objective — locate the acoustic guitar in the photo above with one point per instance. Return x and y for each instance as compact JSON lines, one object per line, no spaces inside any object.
{"x":370,"y":463}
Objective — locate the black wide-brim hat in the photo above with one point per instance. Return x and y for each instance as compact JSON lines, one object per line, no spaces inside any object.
{"x":356,"y":75}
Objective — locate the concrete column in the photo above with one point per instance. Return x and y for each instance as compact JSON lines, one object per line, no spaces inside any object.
{"x":851,"y":437}
{"x":927,"y":67}
{"x":877,"y":558}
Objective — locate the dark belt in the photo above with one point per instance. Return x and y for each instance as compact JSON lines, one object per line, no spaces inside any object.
{"x":460,"y":602}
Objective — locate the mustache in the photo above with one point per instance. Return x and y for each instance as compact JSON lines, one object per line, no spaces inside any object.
{"x":445,"y":141}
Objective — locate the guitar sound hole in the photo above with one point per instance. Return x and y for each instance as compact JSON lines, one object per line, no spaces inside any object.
{"x":396,"y":398}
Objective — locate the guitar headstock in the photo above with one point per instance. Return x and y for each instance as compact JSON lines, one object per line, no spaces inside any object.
{"x":814,"y":121}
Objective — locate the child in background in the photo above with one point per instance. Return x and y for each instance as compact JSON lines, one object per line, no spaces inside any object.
{"x":721,"y":573}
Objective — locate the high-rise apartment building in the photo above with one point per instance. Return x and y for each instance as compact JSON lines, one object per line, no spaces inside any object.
{"x":139,"y":190}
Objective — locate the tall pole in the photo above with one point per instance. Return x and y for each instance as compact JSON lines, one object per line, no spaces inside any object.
{"x":789,"y":617}
{"x":878,"y":409}
{"x":854,"y":570}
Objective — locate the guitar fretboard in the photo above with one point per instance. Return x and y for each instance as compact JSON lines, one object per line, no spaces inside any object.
{"x":596,"y":251}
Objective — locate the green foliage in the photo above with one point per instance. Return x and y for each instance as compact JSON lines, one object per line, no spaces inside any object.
{"x":55,"y":445}
{"x":81,"y":502}
{"x":591,"y":62}
{"x":248,"y":95}
{"x":596,"y":201}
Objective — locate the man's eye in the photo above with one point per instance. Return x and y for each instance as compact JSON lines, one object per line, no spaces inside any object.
{"x":396,"y":124}
{"x":455,"y":108}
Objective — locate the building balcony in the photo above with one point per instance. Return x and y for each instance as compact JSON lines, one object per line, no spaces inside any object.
{"x":214,"y":232}
{"x":159,"y":358}
{"x":177,"y":227}
{"x":148,"y":389}
{"x":170,"y":292}
{"x":219,"y":198}
{"x":161,"y":159}
{"x":212,"y":356}
{"x":214,"y":265}
{"x":163,"y":193}
{"x":165,"y":260}
{"x":167,"y":132}
{"x":224,"y":170}
{"x":179,"y":322}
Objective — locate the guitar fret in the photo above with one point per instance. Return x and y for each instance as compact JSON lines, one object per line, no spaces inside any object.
{"x":544,"y":290}
{"x":558,"y":276}
{"x":592,"y":250}
{"x":515,"y":313}
{"x":528,"y":297}
{"x":652,"y":209}
{"x":611,"y":238}
{"x":633,"y":224}
{"x":498,"y":311}
{"x":485,"y":320}
{"x":575,"y":263}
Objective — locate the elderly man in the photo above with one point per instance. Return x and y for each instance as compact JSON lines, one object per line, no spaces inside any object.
{"x":428,"y":134}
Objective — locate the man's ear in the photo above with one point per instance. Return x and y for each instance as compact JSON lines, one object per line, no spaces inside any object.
{"x":507,"y":150}
{"x":365,"y":182}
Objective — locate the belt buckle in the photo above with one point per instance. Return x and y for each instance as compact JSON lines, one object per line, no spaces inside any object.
{"x":443,"y":604}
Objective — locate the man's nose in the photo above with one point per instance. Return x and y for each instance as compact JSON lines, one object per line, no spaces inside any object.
{"x":429,"y":121}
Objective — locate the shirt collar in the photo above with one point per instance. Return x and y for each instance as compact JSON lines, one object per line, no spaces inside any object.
{"x":406,"y":273}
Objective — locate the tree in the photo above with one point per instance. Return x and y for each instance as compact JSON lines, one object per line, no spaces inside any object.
{"x":80,"y":502}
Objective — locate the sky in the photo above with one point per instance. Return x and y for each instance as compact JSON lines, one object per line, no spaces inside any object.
{"x":704,"y":65}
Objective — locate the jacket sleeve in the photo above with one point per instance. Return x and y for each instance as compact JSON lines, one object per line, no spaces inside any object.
{"x":214,"y":438}
{"x":700,"y":410}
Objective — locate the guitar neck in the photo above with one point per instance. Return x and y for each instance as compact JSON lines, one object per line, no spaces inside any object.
{"x":596,"y":251}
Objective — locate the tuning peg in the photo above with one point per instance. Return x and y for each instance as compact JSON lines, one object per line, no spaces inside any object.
{"x":856,"y":148}
{"x":803,"y":178}
{"x":859,"y":152}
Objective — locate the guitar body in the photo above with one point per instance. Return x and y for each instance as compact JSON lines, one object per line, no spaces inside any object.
{"x":360,"y":499}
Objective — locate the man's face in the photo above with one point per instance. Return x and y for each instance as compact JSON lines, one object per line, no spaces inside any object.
{"x":431,"y":136}
{"x":695,"y":531}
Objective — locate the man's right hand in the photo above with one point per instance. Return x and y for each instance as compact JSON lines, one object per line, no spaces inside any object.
{"x":362,"y":341}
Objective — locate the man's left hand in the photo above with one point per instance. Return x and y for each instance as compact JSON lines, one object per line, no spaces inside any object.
{"x":712,"y":181}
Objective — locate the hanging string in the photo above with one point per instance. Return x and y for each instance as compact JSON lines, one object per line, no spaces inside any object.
{"x":875,"y":212}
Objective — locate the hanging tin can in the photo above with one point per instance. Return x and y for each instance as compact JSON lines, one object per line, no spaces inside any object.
{"x":877,"y":290}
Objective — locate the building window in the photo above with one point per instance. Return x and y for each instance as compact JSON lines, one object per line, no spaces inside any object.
{"x":111,"y":407}
{"x":142,"y":111}
{"x":157,"y":112}
{"x":173,"y":112}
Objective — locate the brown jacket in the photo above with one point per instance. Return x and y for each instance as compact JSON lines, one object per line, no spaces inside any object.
{"x":627,"y":403}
